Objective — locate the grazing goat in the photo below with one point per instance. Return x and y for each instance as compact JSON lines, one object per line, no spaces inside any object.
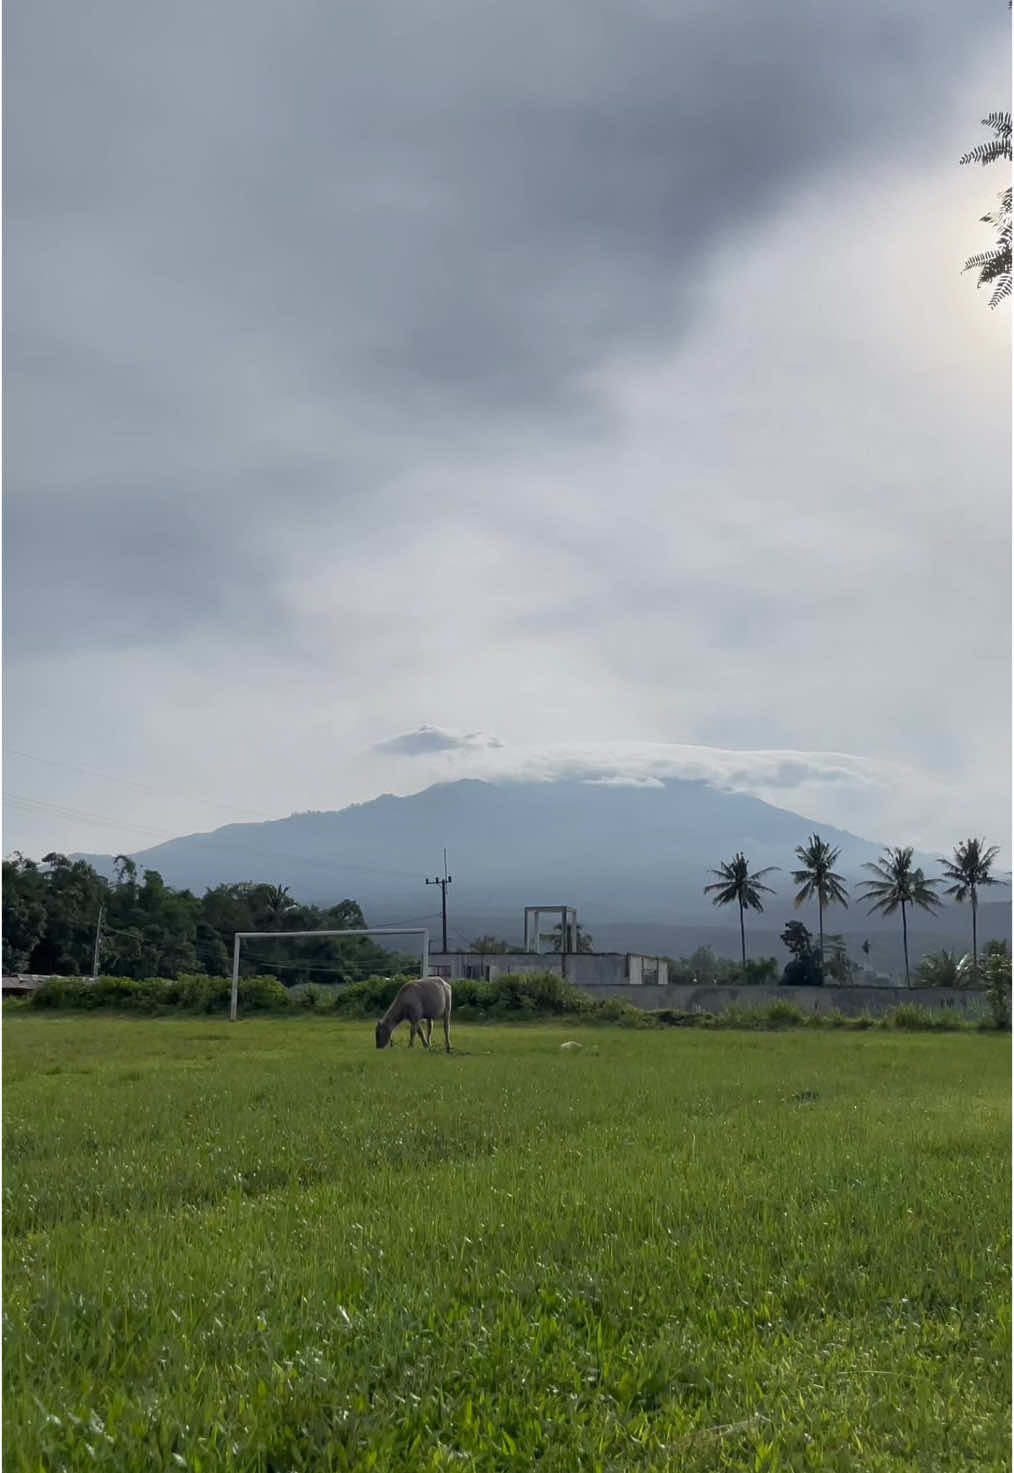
{"x":420,"y":1002}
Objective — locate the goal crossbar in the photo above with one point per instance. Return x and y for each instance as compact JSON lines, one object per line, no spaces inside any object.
{"x":240,"y":936}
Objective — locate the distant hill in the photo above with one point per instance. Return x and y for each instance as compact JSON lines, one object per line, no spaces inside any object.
{"x":633,"y":860}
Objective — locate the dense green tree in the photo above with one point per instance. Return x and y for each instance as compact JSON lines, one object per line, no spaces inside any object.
{"x":969,"y":872}
{"x":703,"y":968}
{"x":24,"y":912}
{"x":898,"y":884}
{"x":761,"y":971}
{"x":996,"y":974}
{"x":50,"y":911}
{"x":490,"y":946}
{"x":73,"y":895}
{"x":817,"y":879}
{"x":804,"y":969}
{"x":939,"y":969}
{"x":734,"y":882}
{"x":837,"y":963}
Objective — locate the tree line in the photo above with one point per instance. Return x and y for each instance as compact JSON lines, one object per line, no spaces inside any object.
{"x":61,"y":917}
{"x":896,"y":885}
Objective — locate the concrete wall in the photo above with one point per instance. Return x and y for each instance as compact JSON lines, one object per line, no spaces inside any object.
{"x":584,"y":969}
{"x":848,"y":1000}
{"x":610,"y":974}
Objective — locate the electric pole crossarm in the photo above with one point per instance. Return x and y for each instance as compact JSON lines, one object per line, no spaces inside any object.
{"x":443,"y":881}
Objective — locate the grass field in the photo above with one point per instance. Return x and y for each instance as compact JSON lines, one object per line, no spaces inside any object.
{"x":269,"y":1246}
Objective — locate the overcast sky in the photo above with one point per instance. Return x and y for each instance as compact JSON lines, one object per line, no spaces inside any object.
{"x":597,"y":376}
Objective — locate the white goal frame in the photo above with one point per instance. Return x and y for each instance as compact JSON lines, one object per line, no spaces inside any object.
{"x":240,"y":936}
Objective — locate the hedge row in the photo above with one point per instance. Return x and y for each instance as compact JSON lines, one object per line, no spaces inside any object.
{"x":529,"y":995}
{"x":154,"y":994}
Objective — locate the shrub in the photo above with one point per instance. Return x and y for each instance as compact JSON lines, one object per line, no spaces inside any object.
{"x":802,"y":971}
{"x":772,"y":1015}
{"x":783,"y":1014}
{"x":312,"y":996}
{"x":939,"y":969}
{"x":911,"y":1015}
{"x":996,"y":974}
{"x":673,"y":1018}
{"x":369,"y":999}
{"x":188,"y":993}
{"x":615,"y":1010}
{"x":123,"y":993}
{"x":761,"y":971}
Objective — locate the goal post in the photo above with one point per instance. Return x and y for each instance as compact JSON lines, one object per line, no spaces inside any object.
{"x":241,"y":936}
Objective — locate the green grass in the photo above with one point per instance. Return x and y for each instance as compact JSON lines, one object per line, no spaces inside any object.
{"x":269,"y":1246}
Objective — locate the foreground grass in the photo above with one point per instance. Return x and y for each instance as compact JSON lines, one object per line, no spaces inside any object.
{"x":271,"y":1247}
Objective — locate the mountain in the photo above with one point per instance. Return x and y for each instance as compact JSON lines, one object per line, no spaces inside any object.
{"x":632,"y":859}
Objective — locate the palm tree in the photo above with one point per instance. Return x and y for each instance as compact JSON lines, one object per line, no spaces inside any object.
{"x":969,"y":872}
{"x":898,"y":884}
{"x":277,"y":901}
{"x":995,"y":265}
{"x":817,"y":877}
{"x":584,"y":941}
{"x":735,"y":882}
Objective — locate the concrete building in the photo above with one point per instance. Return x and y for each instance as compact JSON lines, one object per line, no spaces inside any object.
{"x":541,"y":954}
{"x":583,"y":968}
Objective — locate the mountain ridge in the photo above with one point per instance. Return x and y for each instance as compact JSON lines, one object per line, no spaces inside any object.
{"x":626,"y":857}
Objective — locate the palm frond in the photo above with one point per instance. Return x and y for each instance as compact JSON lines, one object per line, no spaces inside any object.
{"x":733,"y":881}
{"x":994,"y":266}
{"x":897,"y":883}
{"x":994,"y":148}
{"x":969,"y":869}
{"x":987,"y":153}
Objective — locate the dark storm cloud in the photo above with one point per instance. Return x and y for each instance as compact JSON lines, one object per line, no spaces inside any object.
{"x":399,"y":214}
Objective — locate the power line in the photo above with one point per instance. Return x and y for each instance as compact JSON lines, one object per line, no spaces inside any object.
{"x":133,"y":783}
{"x":23,"y":802}
{"x":246,"y":816}
{"x":212,"y":841}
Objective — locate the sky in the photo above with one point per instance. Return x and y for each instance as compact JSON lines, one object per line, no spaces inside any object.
{"x":594,"y":388}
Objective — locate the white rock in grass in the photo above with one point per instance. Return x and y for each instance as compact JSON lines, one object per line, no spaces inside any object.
{"x":570,"y":1044}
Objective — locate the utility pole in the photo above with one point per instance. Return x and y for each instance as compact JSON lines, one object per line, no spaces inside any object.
{"x":98,"y":938}
{"x":443,"y":881}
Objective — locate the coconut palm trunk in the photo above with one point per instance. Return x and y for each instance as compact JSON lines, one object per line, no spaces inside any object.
{"x":820,"y":923}
{"x":742,"y":937}
{"x":904,"y":942}
{"x":975,"y":945}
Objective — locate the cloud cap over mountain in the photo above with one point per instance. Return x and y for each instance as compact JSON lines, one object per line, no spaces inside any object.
{"x":881,"y":800}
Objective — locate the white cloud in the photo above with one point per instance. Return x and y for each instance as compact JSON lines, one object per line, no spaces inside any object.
{"x":873,"y":798}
